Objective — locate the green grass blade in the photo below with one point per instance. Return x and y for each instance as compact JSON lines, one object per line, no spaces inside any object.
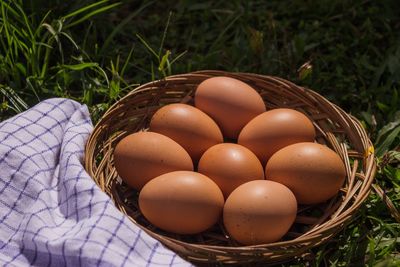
{"x":119,"y":27}
{"x":104,"y":74}
{"x":32,"y":87}
{"x":41,"y":40}
{"x":22,"y":46}
{"x":169,"y":69}
{"x":90,"y":65}
{"x":147,"y":46}
{"x":126,"y":62}
{"x":389,"y":140}
{"x":164,"y":35}
{"x":164,"y":60}
{"x":83,"y":9}
{"x":86,"y":36}
{"x":70,"y":39}
{"x":36,"y":33}
{"x":178,"y":57}
{"x":10,"y":59}
{"x":43,"y":44}
{"x":10,"y":9}
{"x":19,"y":31}
{"x":81,"y":66}
{"x":91,"y":14}
{"x":21,"y":68}
{"x":222,"y":33}
{"x":18,"y":104}
{"x":25,"y":18}
{"x":386,"y":129}
{"x":49,"y":28}
{"x":5,"y":23}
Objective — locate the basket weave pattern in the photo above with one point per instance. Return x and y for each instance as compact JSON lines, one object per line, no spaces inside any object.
{"x":314,"y":225}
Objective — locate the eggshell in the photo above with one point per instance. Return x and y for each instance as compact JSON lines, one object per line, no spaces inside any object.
{"x":188,"y":126}
{"x":275,"y":129}
{"x":312,"y":171}
{"x":141,"y":156}
{"x":259,"y":212}
{"x":181,"y":202}
{"x":230,"y":165}
{"x":230,"y":102}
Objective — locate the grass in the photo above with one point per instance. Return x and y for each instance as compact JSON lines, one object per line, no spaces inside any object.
{"x":349,"y":51}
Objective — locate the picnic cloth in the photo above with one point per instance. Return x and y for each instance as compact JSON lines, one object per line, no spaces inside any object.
{"x":51,"y":211}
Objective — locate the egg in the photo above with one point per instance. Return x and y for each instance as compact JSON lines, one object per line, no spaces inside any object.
{"x":141,"y":156}
{"x":312,"y":171}
{"x":181,"y":202}
{"x":188,"y":126}
{"x":259,"y":212}
{"x":275,"y":129}
{"x":230,"y":165}
{"x":230,"y":102}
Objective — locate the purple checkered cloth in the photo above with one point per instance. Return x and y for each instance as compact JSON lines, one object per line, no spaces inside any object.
{"x":51,"y":211}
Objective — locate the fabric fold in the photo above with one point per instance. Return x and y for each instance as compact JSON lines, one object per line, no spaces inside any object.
{"x":51,"y":211}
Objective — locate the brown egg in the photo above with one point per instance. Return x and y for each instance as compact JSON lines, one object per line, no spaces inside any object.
{"x":141,"y":156}
{"x":312,"y":171}
{"x":275,"y":129}
{"x":230,"y":165}
{"x":181,"y":202}
{"x":190,"y":127}
{"x":230,"y":102}
{"x":259,"y":212}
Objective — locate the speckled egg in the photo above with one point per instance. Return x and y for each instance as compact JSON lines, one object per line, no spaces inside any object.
{"x":141,"y":156}
{"x":188,"y":126}
{"x":259,"y":212}
{"x":181,"y":202}
{"x":230,"y":102}
{"x":230,"y":165}
{"x":275,"y":129}
{"x":312,"y":171}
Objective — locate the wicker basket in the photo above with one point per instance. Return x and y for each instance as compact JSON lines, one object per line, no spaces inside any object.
{"x":314,"y":225}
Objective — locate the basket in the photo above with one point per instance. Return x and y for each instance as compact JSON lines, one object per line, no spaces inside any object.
{"x":314,"y":225}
